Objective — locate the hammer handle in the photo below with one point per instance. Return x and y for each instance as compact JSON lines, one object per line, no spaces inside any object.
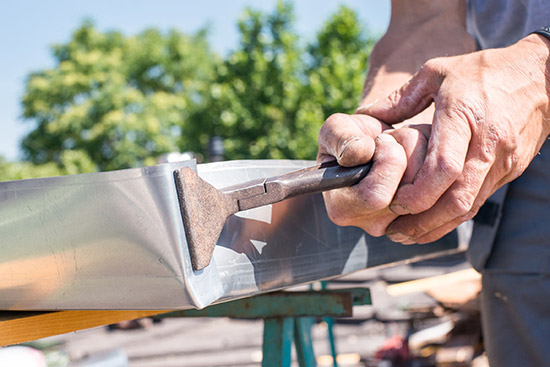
{"x":318,"y":178}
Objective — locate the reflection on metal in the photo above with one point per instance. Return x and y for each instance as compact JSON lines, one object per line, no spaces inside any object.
{"x":205,"y":209}
{"x":115,"y":240}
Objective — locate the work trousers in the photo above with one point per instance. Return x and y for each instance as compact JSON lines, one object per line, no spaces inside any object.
{"x":516,"y":319}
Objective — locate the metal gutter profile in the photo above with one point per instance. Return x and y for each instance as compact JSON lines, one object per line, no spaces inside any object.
{"x":115,"y":240}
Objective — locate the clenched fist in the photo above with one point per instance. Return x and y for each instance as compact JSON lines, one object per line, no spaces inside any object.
{"x":397,"y":155}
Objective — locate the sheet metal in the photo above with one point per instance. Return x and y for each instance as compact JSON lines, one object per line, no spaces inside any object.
{"x":115,"y":240}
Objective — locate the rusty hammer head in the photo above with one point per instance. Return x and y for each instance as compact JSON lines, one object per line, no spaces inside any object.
{"x":204,"y":210}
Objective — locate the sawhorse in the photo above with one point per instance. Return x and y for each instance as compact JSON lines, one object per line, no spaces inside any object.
{"x":287,"y":318}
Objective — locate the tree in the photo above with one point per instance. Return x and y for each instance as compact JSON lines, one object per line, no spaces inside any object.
{"x":119,"y":102}
{"x":255,"y":98}
{"x":334,"y":75}
{"x":116,"y":100}
{"x":71,"y":162}
{"x":272,"y":95}
{"x":339,"y":57}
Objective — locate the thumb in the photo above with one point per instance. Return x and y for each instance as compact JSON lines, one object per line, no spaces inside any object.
{"x":349,"y":139}
{"x":409,"y":100}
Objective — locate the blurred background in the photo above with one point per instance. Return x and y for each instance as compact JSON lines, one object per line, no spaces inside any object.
{"x":104,"y":85}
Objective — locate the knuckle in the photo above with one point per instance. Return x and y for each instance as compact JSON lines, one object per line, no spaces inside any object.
{"x":435,"y":65}
{"x":376,"y":230}
{"x":513,"y":165}
{"x":470,"y":215}
{"x":376,"y":197}
{"x":330,"y":125}
{"x":338,"y":216}
{"x":460,"y":203}
{"x":334,"y":120}
{"x":498,"y":135}
{"x":334,"y":135}
{"x":449,"y":167}
{"x":414,"y":231}
{"x":511,"y":162}
{"x":394,"y":97}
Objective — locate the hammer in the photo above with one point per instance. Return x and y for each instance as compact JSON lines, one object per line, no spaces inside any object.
{"x":205,"y":209}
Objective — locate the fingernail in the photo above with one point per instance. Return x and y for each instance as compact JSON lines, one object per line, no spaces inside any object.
{"x":385,"y":137}
{"x":399,"y":209}
{"x":408,"y":242}
{"x":397,"y":237}
{"x":345,"y":145}
{"x":365,"y":108}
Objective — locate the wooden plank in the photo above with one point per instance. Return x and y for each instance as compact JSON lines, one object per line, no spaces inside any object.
{"x":22,"y":326}
{"x":18,"y":327}
{"x":431,"y":283}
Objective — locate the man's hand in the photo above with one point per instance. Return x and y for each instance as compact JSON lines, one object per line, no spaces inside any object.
{"x":397,"y":153}
{"x":491,"y":118}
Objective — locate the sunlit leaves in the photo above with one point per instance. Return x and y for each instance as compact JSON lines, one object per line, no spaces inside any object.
{"x":113,"y":101}
{"x":116,"y":99}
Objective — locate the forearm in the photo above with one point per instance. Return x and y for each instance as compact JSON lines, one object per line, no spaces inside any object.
{"x":419,"y":30}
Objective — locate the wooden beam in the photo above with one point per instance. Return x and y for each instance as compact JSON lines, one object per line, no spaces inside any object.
{"x":18,"y":327}
{"x":23,"y":326}
{"x":438,"y":281}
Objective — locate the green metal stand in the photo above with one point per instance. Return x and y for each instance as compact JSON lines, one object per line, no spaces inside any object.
{"x":278,"y":335}
{"x":330,"y":332}
{"x":288,"y":317}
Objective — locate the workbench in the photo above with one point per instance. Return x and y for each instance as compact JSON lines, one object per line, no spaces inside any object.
{"x":288,"y":317}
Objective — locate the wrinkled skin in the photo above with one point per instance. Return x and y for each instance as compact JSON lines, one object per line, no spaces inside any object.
{"x":491,"y":118}
{"x":397,"y":155}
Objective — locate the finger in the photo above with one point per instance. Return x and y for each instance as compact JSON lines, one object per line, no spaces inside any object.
{"x":443,"y":165}
{"x":414,"y":140}
{"x":411,"y":99}
{"x":488,"y":189}
{"x":461,"y":203}
{"x":457,"y":202}
{"x":349,"y":139}
{"x":439,"y":232}
{"x":389,"y":164}
{"x":348,"y":206}
{"x":461,"y":200}
{"x":373,"y":222}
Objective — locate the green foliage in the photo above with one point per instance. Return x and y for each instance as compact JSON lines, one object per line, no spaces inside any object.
{"x":334,"y":75}
{"x":21,"y":170}
{"x":112,"y":101}
{"x":338,"y":63}
{"x":271,"y":95}
{"x":71,"y":162}
{"x":118,"y":100}
{"x":256,"y":96}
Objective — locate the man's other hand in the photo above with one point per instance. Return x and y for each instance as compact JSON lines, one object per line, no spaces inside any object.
{"x":491,"y":118}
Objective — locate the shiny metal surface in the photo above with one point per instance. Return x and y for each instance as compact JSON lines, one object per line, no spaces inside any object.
{"x":110,"y":240}
{"x":115,"y":240}
{"x":294,"y":242}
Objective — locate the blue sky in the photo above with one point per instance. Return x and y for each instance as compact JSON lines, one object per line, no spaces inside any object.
{"x":28,"y":28}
